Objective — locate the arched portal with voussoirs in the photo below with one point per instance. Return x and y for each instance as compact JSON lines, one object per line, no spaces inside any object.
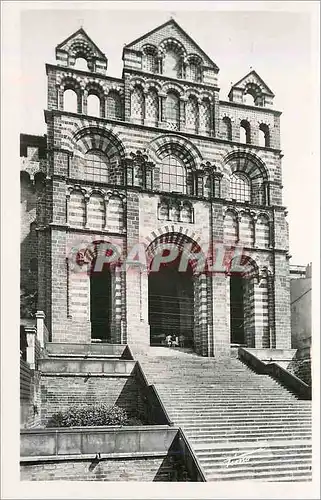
{"x":177,"y":292}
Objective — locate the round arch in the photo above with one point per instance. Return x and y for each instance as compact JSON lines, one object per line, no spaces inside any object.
{"x":185,"y":149}
{"x":177,"y":292}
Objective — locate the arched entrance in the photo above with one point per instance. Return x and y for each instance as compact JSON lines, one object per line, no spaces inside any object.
{"x":249,"y":314}
{"x":171,"y":304}
{"x":100,"y":302}
{"x":177,"y":293}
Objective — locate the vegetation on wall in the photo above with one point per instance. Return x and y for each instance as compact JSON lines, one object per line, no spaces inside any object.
{"x":28,"y":303}
{"x":97,"y":414}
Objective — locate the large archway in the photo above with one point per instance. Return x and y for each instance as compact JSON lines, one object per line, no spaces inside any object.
{"x":177,"y":292}
{"x":171,"y":304}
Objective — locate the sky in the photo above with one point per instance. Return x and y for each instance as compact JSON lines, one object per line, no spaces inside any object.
{"x":279,"y":44}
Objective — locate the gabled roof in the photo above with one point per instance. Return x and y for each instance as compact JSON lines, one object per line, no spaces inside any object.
{"x":253,"y":77}
{"x":179,"y":33}
{"x":82,"y":35}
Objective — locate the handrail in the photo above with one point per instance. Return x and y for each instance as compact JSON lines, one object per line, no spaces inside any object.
{"x":273,"y":369}
{"x":154,"y":390}
{"x":288,"y":379}
{"x":152,"y":393}
{"x":199,"y":470}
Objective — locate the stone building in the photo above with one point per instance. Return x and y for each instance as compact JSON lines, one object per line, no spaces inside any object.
{"x":158,"y":160}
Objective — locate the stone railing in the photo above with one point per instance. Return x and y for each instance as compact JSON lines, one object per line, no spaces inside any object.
{"x":106,"y":443}
{"x":153,"y":408}
{"x":289,"y":380}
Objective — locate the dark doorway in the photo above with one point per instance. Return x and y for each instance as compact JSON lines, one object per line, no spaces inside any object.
{"x":237,"y":309}
{"x":100,"y":305}
{"x":171,"y":305}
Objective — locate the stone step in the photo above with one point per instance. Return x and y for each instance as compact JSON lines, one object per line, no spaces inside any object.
{"x":230,"y":409}
{"x":305,"y":429}
{"x":271,"y":445}
{"x":267,"y":462}
{"x":221,"y":455}
{"x":250,"y":434}
{"x":226,"y":409}
{"x":270,"y":474}
{"x":196,"y":416}
{"x":218,"y":420}
{"x":258,"y":426}
{"x":239,"y":439}
{"x":254,"y":464}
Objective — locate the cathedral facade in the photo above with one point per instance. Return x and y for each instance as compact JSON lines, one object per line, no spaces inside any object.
{"x":158,"y":206}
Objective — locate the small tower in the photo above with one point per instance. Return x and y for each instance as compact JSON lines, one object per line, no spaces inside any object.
{"x":80,"y":45}
{"x":252,"y":84}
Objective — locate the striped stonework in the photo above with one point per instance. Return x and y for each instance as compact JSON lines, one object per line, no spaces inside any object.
{"x":116,"y":334}
{"x":261,"y":314}
{"x":230,"y":227}
{"x":76,"y":209}
{"x":262,"y":232}
{"x":249,"y":312}
{"x":79,"y":295}
{"x":246,"y":231}
{"x":115,"y":214}
{"x":96,"y":212}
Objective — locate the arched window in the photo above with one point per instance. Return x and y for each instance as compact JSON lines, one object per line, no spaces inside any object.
{"x":114,"y":109}
{"x":227,"y":128}
{"x":93,"y":105}
{"x":81,"y":64}
{"x":149,"y":63}
{"x":187,"y":213}
{"x":172,"y":110}
{"x":192,"y":114}
{"x":248,"y":99}
{"x":172,"y":64}
{"x":163,"y":211}
{"x":193,"y":72}
{"x":151,"y":113}
{"x":264,"y":136}
{"x":205,"y":116}
{"x":115,"y":214}
{"x":137,"y":104}
{"x":240,"y":187}
{"x":262,"y":232}
{"x":70,"y":101}
{"x":76,"y":209}
{"x":246,"y":230}
{"x":96,"y":211}
{"x":230,"y":227}
{"x":245,"y":132}
{"x":172,"y":175}
{"x":97,"y":166}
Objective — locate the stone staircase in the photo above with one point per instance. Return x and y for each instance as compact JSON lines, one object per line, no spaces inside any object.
{"x":240,"y":424}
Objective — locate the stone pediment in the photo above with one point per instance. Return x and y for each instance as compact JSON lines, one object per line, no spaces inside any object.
{"x":171,"y":31}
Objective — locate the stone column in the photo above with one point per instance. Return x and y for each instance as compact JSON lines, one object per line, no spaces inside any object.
{"x":282,"y":302}
{"x":161,"y":112}
{"x":40,"y":317}
{"x":182,"y":114}
{"x":221,"y":312}
{"x":137,"y":326}
{"x":84,"y":102}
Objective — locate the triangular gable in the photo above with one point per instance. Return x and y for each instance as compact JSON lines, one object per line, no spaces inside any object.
{"x":253,"y":77}
{"x":81,"y":36}
{"x":171,"y":29}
